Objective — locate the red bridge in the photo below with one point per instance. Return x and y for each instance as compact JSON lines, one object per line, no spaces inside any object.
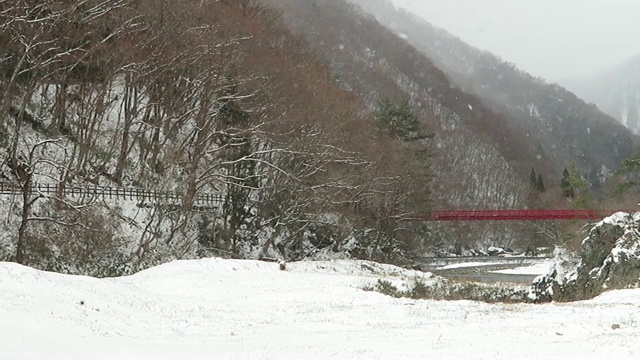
{"x":489,"y":215}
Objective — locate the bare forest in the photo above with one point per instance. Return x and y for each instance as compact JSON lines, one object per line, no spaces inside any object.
{"x":199,"y":97}
{"x":138,"y":132}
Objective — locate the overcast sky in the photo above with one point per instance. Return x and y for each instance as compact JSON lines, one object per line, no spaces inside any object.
{"x":555,"y":39}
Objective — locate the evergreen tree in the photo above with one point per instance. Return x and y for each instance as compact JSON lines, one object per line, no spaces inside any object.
{"x":536,"y":183}
{"x":540,"y":184}
{"x":533,"y":180}
{"x":565,"y":184}
{"x":399,"y":121}
{"x":402,"y":122}
{"x":574,"y":186}
{"x":630,"y":172}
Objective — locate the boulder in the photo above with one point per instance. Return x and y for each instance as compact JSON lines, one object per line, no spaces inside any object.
{"x":495,"y":251}
{"x":610,"y":259}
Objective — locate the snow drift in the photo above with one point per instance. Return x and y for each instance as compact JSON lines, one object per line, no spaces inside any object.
{"x":240,"y":309}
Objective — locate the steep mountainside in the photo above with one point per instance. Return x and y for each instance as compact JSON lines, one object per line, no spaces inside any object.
{"x":616,"y":92}
{"x":563,"y":126}
{"x":480,"y":159}
{"x":212,"y":98}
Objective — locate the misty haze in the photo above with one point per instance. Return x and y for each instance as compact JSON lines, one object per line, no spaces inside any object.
{"x":556,"y":40}
{"x":589,"y":47}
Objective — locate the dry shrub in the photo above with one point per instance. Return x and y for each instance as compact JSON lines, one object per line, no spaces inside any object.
{"x":450,"y":290}
{"x":76,"y":241}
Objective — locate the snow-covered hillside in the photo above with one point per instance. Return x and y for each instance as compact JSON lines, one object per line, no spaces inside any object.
{"x":564,"y":127}
{"x":235,"y":309}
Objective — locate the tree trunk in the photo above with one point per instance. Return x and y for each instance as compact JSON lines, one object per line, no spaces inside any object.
{"x":26,"y":208}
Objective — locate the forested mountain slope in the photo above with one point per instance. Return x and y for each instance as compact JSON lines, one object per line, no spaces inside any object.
{"x":562,"y":126}
{"x":318,"y":134}
{"x":206,"y":97}
{"x":616,"y":92}
{"x":480,"y":159}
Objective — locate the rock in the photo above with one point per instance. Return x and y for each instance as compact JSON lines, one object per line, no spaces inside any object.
{"x":495,"y":251}
{"x":366,"y":266}
{"x":610,"y":260}
{"x":474,"y":252}
{"x":542,"y":288}
{"x":615,"y":326}
{"x":283,"y":265}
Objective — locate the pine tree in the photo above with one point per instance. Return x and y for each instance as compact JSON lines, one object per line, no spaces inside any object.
{"x":540,"y":184}
{"x":399,"y":121}
{"x":384,"y":115}
{"x":536,"y":183}
{"x":532,"y":179}
{"x":574,"y":186}
{"x":630,"y":173}
{"x":565,"y":184}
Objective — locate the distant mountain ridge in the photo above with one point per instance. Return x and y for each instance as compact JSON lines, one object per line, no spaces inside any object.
{"x":479,"y":160}
{"x":374,"y":62}
{"x":564,"y":127}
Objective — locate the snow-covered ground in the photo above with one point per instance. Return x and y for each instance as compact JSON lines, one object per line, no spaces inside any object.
{"x":536,"y":269}
{"x":234,"y":309}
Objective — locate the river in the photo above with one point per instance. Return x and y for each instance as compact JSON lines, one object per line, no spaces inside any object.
{"x":515,"y":270}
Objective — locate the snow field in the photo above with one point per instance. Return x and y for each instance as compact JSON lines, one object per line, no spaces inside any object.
{"x":240,"y":309}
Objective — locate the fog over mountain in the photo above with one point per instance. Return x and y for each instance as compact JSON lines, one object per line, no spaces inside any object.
{"x":565,"y":127}
{"x":548,"y":38}
{"x":616,"y":92}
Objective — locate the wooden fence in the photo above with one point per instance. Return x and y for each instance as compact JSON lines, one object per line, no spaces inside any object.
{"x":109,"y":192}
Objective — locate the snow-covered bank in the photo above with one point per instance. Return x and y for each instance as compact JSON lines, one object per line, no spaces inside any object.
{"x":234,"y":309}
{"x":536,"y":269}
{"x":466,"y":265}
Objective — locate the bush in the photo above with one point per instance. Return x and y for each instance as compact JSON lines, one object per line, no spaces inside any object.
{"x":419,"y":290}
{"x":447,"y":290}
{"x":84,"y":242}
{"x":387,"y":288}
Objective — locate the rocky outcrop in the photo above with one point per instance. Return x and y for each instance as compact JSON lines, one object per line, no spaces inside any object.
{"x":610,"y":259}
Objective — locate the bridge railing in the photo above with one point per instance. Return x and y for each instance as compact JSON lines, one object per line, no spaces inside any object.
{"x":150,"y":195}
{"x":513,"y":215}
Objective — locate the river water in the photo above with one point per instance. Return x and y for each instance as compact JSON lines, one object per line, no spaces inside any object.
{"x":489,"y":270}
{"x":491,"y":278}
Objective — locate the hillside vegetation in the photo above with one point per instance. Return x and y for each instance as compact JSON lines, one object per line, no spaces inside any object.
{"x":563,"y":127}
{"x":317,"y":127}
{"x":482,"y":157}
{"x":203,"y":97}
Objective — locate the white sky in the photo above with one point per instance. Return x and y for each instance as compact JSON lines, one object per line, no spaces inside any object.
{"x":555,"y":39}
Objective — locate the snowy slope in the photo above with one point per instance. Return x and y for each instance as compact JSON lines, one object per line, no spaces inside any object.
{"x":234,"y":309}
{"x":537,"y":269}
